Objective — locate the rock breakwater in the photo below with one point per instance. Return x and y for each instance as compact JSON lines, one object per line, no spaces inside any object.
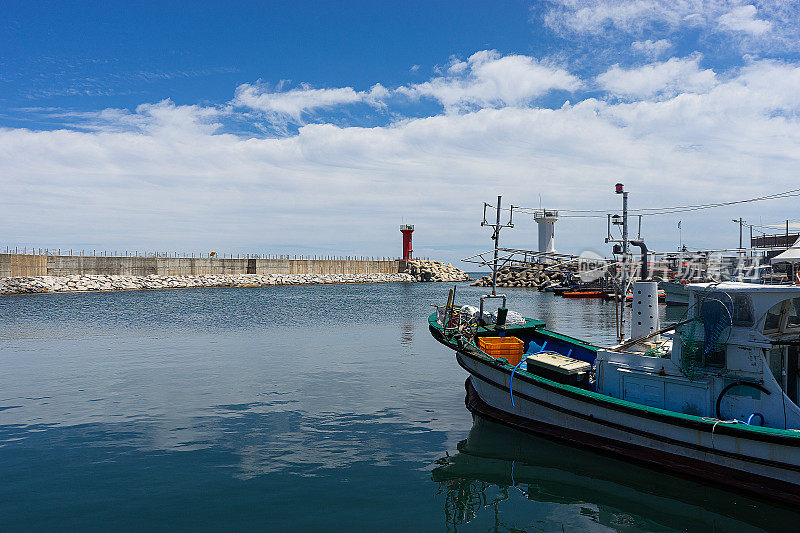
{"x":43,"y":284}
{"x":427,"y":270}
{"x":536,"y":276}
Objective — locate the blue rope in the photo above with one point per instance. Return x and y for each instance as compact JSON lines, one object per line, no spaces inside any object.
{"x":511,"y":381}
{"x":750,"y":419}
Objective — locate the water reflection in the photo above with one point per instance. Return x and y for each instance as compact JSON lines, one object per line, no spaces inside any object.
{"x":499,"y":473}
{"x":406,"y":334}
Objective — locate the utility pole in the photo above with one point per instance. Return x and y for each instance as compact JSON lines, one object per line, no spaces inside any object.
{"x":741,"y":224}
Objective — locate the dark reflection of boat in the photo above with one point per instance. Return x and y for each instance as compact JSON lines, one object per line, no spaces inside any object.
{"x":494,"y":458}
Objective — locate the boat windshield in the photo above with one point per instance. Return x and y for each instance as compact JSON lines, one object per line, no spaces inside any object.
{"x":783,"y":317}
{"x":783,"y":322}
{"x":793,"y":315}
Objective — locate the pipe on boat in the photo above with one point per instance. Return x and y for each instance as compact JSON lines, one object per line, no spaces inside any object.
{"x":643,"y":247}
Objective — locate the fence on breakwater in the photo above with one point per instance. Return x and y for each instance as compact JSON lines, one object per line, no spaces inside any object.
{"x":49,"y":264}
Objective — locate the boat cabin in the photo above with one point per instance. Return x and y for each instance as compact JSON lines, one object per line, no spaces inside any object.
{"x":736,"y":356}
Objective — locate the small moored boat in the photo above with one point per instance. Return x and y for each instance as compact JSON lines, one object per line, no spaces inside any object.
{"x":675,"y":292}
{"x":584,"y":294}
{"x":716,"y":400}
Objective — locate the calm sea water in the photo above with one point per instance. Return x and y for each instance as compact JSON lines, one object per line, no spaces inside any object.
{"x":297,"y":408}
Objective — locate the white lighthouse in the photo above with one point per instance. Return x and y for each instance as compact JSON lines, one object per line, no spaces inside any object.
{"x":546,"y":219}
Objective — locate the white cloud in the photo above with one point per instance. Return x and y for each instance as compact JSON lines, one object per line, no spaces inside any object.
{"x":650,"y":48}
{"x":488,"y":79}
{"x":164,"y":176}
{"x":154,"y":119}
{"x":485,"y":79}
{"x":633,"y":16}
{"x":305,"y":99}
{"x":775,"y":28}
{"x":666,"y":78}
{"x":743,"y":18}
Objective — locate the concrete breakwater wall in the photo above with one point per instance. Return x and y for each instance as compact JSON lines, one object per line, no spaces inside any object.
{"x":45,"y":284}
{"x":21,"y":265}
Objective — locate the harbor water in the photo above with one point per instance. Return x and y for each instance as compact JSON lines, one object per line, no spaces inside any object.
{"x":318,"y":407}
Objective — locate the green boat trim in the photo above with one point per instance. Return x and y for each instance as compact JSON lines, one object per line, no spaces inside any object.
{"x":698,"y":422}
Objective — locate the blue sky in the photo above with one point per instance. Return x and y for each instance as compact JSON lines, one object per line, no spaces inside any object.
{"x":116,"y":55}
{"x":317,"y":127}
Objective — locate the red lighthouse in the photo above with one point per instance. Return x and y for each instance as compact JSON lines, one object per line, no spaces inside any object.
{"x":407,"y":231}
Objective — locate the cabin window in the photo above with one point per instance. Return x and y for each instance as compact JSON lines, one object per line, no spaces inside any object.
{"x":742,"y":311}
{"x":715,"y":358}
{"x":783,"y":316}
{"x":738,"y":306}
{"x":773,"y":320}
{"x":793,"y":320}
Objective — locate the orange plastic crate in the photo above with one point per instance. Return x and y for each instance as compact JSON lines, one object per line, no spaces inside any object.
{"x":509,"y":348}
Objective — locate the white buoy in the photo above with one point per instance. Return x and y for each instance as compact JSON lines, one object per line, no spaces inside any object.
{"x":644,"y":311}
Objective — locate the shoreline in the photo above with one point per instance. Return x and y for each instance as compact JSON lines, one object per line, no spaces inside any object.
{"x":107,"y":283}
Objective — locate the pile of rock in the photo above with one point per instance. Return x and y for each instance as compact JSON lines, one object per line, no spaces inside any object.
{"x":35,"y":284}
{"x":534,"y":276}
{"x":426,"y":270}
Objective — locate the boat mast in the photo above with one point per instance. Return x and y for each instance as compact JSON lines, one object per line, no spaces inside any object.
{"x":622,"y":299}
{"x":496,"y":237}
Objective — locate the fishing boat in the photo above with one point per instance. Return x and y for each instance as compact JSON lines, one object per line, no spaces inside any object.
{"x":736,"y":269}
{"x":675,"y":292}
{"x":584,"y":294}
{"x":713,"y":397}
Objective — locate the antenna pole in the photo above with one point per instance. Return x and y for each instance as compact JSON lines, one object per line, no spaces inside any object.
{"x":496,"y":238}
{"x":620,"y":300}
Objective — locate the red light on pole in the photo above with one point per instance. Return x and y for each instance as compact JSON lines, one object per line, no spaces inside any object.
{"x":619,"y":188}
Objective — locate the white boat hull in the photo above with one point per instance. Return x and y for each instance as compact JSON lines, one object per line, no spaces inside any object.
{"x":711,"y":452}
{"x":676,"y":293}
